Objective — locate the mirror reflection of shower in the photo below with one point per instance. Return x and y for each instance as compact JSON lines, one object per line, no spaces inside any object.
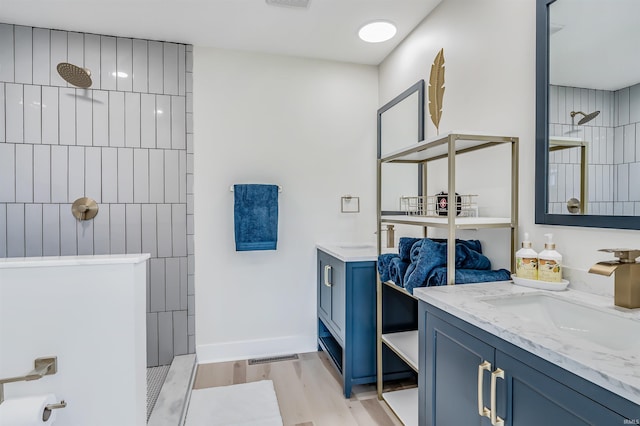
{"x":75,"y":75}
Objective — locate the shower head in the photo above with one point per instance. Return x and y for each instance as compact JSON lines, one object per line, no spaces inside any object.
{"x":586,"y":117}
{"x":79,"y":77}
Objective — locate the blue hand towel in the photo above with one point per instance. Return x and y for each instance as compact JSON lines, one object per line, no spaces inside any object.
{"x":384,"y":261}
{"x":397,"y":270}
{"x":415,"y":248}
{"x":255,"y":217}
{"x":466,"y":276}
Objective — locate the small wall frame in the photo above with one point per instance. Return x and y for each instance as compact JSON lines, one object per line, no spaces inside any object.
{"x":349,"y":204}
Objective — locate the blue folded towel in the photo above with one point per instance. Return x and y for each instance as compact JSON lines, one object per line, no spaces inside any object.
{"x":466,"y":276}
{"x":433,"y":254}
{"x":384,"y":261}
{"x":415,"y":249}
{"x":255,"y":217}
{"x":404,"y":247}
{"x":397,"y":270}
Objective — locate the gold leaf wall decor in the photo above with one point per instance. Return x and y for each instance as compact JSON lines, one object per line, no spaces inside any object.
{"x":436,"y":89}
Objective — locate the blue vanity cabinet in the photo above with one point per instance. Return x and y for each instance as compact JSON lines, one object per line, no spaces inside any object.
{"x":347,"y":317}
{"x":533,"y":391}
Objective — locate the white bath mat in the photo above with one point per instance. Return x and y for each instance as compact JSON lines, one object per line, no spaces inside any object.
{"x":247,"y":404}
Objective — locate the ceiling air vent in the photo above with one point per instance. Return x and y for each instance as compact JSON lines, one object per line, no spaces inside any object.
{"x":298,"y":4}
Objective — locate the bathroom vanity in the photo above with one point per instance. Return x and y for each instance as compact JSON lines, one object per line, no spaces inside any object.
{"x":497,"y":351}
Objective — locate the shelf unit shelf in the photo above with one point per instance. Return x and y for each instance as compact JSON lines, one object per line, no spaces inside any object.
{"x":443,"y":147}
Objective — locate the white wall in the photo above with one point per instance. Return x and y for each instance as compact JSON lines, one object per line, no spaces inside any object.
{"x":489,"y":51}
{"x":307,"y":125}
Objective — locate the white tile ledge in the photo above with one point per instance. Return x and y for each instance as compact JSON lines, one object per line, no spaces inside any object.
{"x":47,"y":261}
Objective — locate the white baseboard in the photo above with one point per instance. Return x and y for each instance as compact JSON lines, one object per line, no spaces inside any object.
{"x":247,"y":349}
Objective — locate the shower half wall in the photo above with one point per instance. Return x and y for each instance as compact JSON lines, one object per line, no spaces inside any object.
{"x":126,"y":142}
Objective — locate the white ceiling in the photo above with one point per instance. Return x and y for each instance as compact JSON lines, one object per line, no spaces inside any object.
{"x":326,"y":30}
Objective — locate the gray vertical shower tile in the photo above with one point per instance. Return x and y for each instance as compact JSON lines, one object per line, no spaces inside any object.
{"x":191,"y":267}
{"x":124,"y":48}
{"x":189,"y":82}
{"x":6,"y":53}
{"x":107,"y":63}
{"x":190,"y":226}
{"x":179,"y":229}
{"x":189,"y":102}
{"x":189,"y":64}
{"x":623,"y":106}
{"x":42,"y":174}
{"x":618,"y":145}
{"x":68,"y":232}
{"x":192,"y":344}
{"x":116,"y":119}
{"x":148,"y":294}
{"x":76,"y":173}
{"x":24,"y":173}
{"x":163,"y":121}
{"x":58,"y":54}
{"x":33,"y":230}
{"x":178,"y":126}
{"x":15,"y":230}
{"x":140,"y":68}
{"x":14,"y":112}
{"x":100,"y":118}
{"x":184,"y":284}
{"x":125,"y":175}
{"x":191,"y":325}
{"x":189,"y":203}
{"x":157,"y":285}
{"x":629,"y":143}
{"x":172,"y":284}
{"x":156,"y":67}
{"x":85,"y":237}
{"x":180,"y":343}
{"x":84,"y":117}
{"x":189,"y":118}
{"x":165,"y":337}
{"x":156,"y":176}
{"x":189,"y":143}
{"x":75,"y":49}
{"x":92,"y":58}
{"x":191,"y":302}
{"x":190,"y":285}
{"x":141,"y":176}
{"x":149,"y":226}
{"x":134,"y":228}
{"x":93,"y":173}
{"x":101,"y":226}
{"x":170,"y":68}
{"x":117,"y":229}
{"x":148,"y":121}
{"x":152,"y":339}
{"x":182,"y":61}
{"x":190,"y":245}
{"x":634,"y":103}
{"x":3,"y":230}
{"x":623,"y":182}
{"x":2,"y":127}
{"x":67,"y":116}
{"x":132,"y":120}
{"x":7,"y":173}
{"x":182,"y":166}
{"x":23,"y":54}
{"x":109,"y":175}
{"x":164,"y":230}
{"x":634,"y":177}
{"x":32,"y":114}
{"x":59,"y":173}
{"x":171,"y":177}
{"x":50,"y":115}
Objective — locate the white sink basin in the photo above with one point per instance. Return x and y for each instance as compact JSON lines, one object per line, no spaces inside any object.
{"x":606,"y":329}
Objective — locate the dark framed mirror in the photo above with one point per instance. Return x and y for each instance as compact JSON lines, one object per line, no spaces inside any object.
{"x":400,"y":123}
{"x":588,"y":113}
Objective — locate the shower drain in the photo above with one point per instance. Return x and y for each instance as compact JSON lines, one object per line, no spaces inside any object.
{"x":272,"y":359}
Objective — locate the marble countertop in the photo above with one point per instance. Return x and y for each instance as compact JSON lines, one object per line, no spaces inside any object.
{"x":38,"y":262}
{"x":350,"y":252}
{"x":617,"y":370}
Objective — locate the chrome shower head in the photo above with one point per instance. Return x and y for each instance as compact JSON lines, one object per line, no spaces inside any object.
{"x":586,"y":117}
{"x":79,"y":77}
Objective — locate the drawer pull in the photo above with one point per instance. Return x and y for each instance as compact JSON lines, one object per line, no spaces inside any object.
{"x":495,"y":420}
{"x":482,"y":410}
{"x":327,"y":271}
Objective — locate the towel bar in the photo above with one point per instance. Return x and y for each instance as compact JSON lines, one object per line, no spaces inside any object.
{"x":279,"y":188}
{"x":43,"y":366}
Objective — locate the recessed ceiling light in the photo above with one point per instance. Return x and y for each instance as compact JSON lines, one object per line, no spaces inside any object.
{"x":377,"y":31}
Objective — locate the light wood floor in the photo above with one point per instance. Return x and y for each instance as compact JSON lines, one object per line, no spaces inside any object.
{"x":309,"y":391}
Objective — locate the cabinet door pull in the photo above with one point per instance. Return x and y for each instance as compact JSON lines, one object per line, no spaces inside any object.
{"x":495,"y":420}
{"x":482,"y":410}
{"x":327,"y":271}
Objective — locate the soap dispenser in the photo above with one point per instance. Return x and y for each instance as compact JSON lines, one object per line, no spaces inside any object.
{"x":527,"y":260}
{"x":549,"y":262}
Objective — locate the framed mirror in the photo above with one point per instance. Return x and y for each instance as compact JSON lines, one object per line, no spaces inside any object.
{"x":400,"y":123}
{"x":588,"y":113}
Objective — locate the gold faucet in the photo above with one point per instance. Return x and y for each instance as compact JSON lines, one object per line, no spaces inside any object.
{"x":627,"y":279}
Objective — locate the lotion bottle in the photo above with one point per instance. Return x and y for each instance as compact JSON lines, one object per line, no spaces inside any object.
{"x":527,"y":260}
{"x":550,"y":262}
